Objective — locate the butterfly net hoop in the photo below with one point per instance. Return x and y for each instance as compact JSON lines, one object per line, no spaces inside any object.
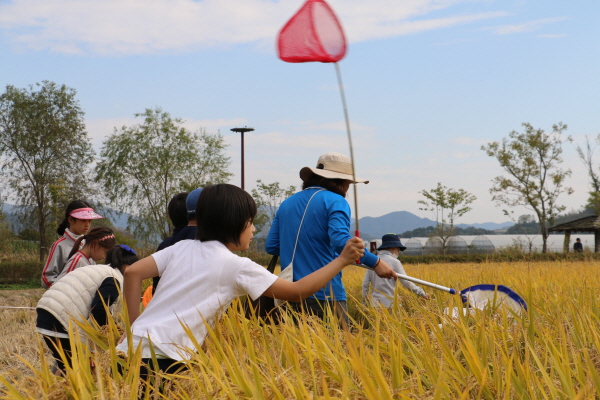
{"x":496,"y":296}
{"x":312,"y":34}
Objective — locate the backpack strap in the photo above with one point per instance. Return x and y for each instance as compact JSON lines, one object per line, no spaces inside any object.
{"x":302,"y":221}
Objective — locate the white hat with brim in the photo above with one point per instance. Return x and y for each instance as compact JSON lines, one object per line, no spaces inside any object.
{"x":332,"y":166}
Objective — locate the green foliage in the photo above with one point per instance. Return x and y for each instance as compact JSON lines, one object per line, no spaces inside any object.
{"x":268,"y":198}
{"x":593,"y":202}
{"x":587,"y":157}
{"x":535,"y":180}
{"x":419,"y":232}
{"x":20,"y":272}
{"x":44,"y":150}
{"x":430,"y":230}
{"x":525,"y":225}
{"x":29,"y":234}
{"x":143,"y":166}
{"x":6,"y":235}
{"x":447,"y":205}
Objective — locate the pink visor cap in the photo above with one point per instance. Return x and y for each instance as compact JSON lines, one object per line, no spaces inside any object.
{"x":84,"y":213}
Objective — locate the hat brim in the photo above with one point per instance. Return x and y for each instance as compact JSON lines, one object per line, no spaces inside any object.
{"x":382,"y":247}
{"x":85,"y":215}
{"x":306,"y":172}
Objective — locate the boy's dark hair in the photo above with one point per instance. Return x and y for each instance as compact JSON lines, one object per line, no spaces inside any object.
{"x":333,"y":185}
{"x":178,"y":211}
{"x":117,"y":257}
{"x":223,"y":212}
{"x":101,"y":236}
{"x":74,"y":205}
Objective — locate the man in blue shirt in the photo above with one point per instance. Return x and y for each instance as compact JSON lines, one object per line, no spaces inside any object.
{"x":312,"y":227}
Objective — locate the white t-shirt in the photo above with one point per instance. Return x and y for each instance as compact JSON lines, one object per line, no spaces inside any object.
{"x":198,"y":282}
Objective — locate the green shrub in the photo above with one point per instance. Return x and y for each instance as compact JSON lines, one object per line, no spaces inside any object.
{"x":21,"y":272}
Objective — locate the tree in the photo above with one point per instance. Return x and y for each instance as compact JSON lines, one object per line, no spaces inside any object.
{"x":142,"y":166}
{"x":43,"y":144}
{"x":587,"y":159}
{"x":532,"y":160}
{"x":447,"y":205}
{"x":525,"y":226}
{"x":268,"y":198}
{"x":6,"y":234}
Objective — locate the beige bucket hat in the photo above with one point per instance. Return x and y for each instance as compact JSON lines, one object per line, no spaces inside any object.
{"x":332,"y":166}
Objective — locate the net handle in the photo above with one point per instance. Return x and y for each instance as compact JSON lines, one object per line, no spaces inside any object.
{"x":341,"y":85}
{"x":419,"y":281}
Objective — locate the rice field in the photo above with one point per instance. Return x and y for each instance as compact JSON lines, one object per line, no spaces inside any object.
{"x":413,"y":351}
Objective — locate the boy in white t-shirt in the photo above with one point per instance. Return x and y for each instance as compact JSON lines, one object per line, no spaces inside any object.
{"x":200,"y":278}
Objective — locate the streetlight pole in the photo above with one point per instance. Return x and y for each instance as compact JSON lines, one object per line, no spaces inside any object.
{"x":242,"y":130}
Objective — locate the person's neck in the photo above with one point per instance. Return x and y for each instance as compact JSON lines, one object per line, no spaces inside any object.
{"x":87,"y":251}
{"x":232,"y":247}
{"x":73,"y":234}
{"x":394,"y":251}
{"x":192,"y":223}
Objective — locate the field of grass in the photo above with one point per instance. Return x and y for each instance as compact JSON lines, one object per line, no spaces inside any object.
{"x":551,"y":352}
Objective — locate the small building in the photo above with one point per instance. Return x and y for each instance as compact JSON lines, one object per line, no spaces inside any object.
{"x":589,"y":224}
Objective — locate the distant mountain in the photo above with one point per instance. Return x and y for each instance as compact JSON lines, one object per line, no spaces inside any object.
{"x":402,"y":221}
{"x":370,"y":227}
{"x":120,"y":221}
{"x":394,"y":222}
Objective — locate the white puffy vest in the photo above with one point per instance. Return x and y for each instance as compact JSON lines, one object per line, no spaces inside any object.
{"x":72,"y":295}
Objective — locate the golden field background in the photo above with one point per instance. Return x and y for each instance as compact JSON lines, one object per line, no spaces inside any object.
{"x":551,"y":352}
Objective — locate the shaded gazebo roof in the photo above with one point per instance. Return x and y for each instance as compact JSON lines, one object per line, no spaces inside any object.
{"x":590,"y":223}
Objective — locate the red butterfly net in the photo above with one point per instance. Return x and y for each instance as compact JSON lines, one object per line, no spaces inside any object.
{"x":312,"y":34}
{"x":315,"y":34}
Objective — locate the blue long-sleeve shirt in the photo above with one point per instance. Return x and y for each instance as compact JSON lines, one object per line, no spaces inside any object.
{"x":324,"y":233}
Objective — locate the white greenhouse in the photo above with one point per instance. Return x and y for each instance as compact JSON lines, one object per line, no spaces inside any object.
{"x":491,"y":243}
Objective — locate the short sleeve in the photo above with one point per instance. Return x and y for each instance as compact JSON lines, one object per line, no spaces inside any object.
{"x":253,"y":279}
{"x":162,"y":258}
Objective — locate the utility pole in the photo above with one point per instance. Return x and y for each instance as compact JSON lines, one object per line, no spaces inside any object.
{"x":242,"y":131}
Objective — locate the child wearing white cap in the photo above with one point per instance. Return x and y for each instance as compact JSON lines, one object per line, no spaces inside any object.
{"x":76,"y":223}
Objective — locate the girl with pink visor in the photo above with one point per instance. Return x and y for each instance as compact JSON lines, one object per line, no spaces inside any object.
{"x":78,"y":218}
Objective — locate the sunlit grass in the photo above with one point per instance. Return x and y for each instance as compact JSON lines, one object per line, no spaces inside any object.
{"x":548,"y":353}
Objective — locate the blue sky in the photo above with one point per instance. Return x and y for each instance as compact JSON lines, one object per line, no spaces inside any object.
{"x":427,"y":83}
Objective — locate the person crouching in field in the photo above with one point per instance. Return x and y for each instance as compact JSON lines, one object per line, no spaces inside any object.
{"x":200,"y":278}
{"x":97,"y":243}
{"x":379,"y":291}
{"x":78,"y":218}
{"x":81,"y":295}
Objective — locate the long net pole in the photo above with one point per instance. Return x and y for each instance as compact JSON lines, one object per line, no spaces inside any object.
{"x":341,"y":85}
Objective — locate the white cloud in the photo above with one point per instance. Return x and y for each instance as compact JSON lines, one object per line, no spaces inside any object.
{"x":213,"y":124}
{"x":525,"y":27}
{"x":469,"y":141}
{"x":552,"y":36}
{"x":341,"y":126}
{"x":99,"y":129}
{"x":124,"y":27}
